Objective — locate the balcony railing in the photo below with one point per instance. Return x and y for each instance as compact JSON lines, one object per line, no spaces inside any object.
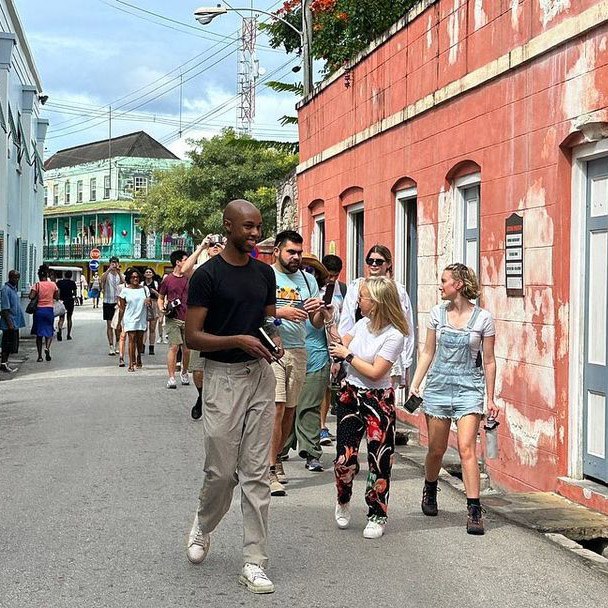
{"x":145,"y":251}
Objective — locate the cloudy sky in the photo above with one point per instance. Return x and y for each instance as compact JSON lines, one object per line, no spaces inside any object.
{"x":132,"y":55}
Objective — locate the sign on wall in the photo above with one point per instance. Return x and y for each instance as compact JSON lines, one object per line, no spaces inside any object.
{"x":514,"y":255}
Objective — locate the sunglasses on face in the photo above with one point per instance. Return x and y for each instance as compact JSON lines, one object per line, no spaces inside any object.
{"x":215,"y":244}
{"x":374,"y":262}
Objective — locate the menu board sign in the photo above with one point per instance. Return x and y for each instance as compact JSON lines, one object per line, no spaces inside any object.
{"x":514,"y":255}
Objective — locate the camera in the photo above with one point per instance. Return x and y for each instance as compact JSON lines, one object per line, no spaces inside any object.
{"x":172,"y":307}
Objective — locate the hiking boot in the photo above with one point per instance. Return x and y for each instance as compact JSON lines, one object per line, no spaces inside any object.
{"x":429,"y":500}
{"x":198,"y":543}
{"x":373,"y":530}
{"x":475,"y":520}
{"x":313,"y":464}
{"x":255,"y":579}
{"x":276,"y":487}
{"x":325,"y":437}
{"x":342,"y":515}
{"x":278,"y":467}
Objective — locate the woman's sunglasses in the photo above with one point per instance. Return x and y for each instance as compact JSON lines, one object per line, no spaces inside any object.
{"x":374,"y":262}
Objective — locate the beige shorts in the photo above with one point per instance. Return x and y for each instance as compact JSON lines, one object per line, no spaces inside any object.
{"x":196,"y":361}
{"x":291,"y":379}
{"x":175,"y":331}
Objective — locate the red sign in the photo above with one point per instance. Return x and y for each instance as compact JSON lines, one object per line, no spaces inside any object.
{"x":95,"y":254}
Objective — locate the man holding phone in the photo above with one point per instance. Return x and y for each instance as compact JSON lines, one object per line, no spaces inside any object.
{"x":297,"y":300}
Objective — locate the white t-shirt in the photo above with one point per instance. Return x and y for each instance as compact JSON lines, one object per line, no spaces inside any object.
{"x":366,"y":345}
{"x":482,"y":328}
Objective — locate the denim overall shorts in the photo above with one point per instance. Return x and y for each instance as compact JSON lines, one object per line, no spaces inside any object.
{"x":455,"y":386}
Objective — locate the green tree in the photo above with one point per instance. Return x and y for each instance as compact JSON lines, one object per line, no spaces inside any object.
{"x":341,"y":28}
{"x":225,"y":167}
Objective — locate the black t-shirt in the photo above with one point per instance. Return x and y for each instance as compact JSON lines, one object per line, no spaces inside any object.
{"x":235,"y":297}
{"x":67,"y":290}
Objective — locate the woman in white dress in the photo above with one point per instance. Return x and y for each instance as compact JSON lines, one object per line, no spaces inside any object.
{"x":133,"y":303}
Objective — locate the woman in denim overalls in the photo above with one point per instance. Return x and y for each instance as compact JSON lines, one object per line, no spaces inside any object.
{"x":455,"y":384}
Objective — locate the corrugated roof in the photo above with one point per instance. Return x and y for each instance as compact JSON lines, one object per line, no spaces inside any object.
{"x":84,"y":208}
{"x":136,"y":145}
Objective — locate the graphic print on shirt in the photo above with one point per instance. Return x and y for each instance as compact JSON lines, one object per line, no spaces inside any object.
{"x":287,"y":296}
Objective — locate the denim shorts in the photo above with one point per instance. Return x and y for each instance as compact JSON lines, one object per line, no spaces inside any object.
{"x":455,"y":411}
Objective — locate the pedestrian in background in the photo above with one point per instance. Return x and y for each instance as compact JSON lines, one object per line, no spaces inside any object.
{"x":110,"y":283}
{"x":297,"y":301}
{"x":379,"y":262}
{"x":45,"y":292}
{"x":213,"y":244}
{"x":95,"y":290}
{"x":229,"y":299}
{"x":172,"y":300}
{"x":333,"y":263}
{"x":68,"y":292}
{"x":458,"y":332}
{"x":153,"y":285}
{"x":11,"y":319}
{"x":84,"y":289}
{"x":133,"y":303}
{"x":366,"y":404}
{"x":305,"y":435}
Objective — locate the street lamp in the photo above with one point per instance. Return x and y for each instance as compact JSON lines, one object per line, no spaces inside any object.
{"x":206,"y":15}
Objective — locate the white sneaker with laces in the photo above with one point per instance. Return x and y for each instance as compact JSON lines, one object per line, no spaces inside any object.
{"x":184,"y":378}
{"x":255,"y":579}
{"x":342,"y":515}
{"x":373,"y":530}
{"x":171,"y":383}
{"x":159,"y":340}
{"x":198,"y":543}
{"x":112,"y":351}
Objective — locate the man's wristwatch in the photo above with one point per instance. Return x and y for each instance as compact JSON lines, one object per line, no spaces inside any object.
{"x":349,"y":358}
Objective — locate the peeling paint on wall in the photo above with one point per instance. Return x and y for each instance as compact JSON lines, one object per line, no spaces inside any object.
{"x":481,"y":18}
{"x":454,"y":32}
{"x":551,"y":8}
{"x":563,"y":318}
{"x":515,"y":14}
{"x":429,"y":33}
{"x":527,"y":434}
{"x":580,"y":95}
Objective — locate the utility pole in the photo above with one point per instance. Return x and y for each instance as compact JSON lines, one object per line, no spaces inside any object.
{"x":109,"y":152}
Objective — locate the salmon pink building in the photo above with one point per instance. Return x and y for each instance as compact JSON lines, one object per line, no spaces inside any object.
{"x":476,"y":131}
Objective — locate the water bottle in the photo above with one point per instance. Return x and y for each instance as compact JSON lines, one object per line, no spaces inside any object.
{"x":491,"y":429}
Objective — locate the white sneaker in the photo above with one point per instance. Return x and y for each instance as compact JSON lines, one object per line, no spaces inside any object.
{"x":198,"y":543}
{"x":171,"y":383}
{"x":255,"y":579}
{"x":112,"y":351}
{"x":185,"y":379}
{"x":159,"y":340}
{"x":342,"y":515}
{"x":373,"y":530}
{"x":166,"y":340}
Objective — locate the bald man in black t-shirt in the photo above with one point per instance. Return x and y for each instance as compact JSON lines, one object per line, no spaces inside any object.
{"x":229,"y":298}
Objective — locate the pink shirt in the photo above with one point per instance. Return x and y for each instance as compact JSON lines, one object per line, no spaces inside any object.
{"x":46,"y":293}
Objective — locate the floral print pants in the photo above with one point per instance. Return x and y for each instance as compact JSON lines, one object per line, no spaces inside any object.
{"x":369,"y":411}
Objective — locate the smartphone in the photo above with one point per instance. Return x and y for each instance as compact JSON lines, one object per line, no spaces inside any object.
{"x":299,"y":304}
{"x":413,"y":403}
{"x":268,"y":341}
{"x":329,"y":293}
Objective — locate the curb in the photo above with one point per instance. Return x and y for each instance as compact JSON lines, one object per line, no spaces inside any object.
{"x":591,"y":559}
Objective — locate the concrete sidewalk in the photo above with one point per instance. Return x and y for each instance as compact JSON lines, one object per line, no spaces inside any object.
{"x":560,"y":520}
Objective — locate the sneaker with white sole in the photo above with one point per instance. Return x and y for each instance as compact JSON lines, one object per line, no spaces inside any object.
{"x":276,"y":487}
{"x":198,"y":543}
{"x":112,"y":351}
{"x":313,"y":464}
{"x":373,"y":530}
{"x":159,"y":340}
{"x":184,"y":378}
{"x":171,"y":383}
{"x":342,"y":515}
{"x":281,"y":476}
{"x":255,"y":579}
{"x":325,"y":437}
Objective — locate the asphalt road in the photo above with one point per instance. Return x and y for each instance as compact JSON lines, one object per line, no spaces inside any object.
{"x":99,"y":475}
